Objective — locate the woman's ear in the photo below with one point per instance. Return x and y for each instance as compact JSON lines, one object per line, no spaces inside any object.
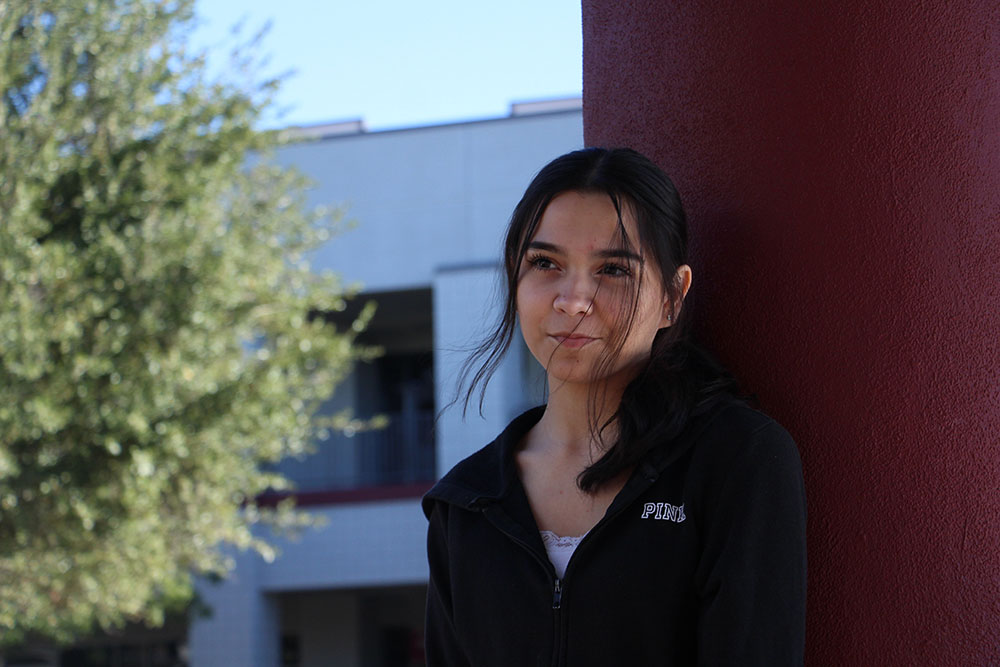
{"x":672,"y":309}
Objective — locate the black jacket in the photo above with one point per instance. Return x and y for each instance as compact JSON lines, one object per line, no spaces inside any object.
{"x":700,"y":558}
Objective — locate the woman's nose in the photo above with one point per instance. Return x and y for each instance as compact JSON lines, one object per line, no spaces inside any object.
{"x":575,"y":296}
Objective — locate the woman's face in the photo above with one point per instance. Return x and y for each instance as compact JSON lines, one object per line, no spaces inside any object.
{"x":576,"y":289}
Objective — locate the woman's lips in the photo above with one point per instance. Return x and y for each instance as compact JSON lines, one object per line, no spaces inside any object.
{"x":572,"y":341}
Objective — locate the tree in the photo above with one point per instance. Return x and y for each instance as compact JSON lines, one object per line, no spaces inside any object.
{"x":157,"y":346}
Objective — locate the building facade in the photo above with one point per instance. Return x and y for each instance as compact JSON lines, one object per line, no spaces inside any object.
{"x":431,"y":205}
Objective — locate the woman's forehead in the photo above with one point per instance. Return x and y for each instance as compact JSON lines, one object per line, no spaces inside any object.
{"x":588,"y":219}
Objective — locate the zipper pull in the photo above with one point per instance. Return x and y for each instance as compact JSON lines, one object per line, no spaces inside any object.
{"x":557,"y":595}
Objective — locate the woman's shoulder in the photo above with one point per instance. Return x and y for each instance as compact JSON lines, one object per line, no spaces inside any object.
{"x":740,"y":447}
{"x":733,"y":431}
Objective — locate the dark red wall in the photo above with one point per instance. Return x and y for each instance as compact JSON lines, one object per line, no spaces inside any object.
{"x":840,"y":162}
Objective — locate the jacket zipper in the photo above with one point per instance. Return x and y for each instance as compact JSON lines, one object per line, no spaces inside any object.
{"x":557,"y":589}
{"x":558,"y":636}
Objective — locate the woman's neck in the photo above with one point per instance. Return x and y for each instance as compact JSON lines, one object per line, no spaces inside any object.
{"x":568,"y":426}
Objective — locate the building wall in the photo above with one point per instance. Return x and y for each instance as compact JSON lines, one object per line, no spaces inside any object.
{"x":359,"y":544}
{"x":464,"y":310}
{"x":431,"y":205}
{"x":841,"y":166}
{"x":427,"y":197}
{"x":242,"y":625}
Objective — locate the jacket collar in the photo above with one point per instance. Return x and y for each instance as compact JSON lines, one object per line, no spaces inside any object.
{"x":487,"y":476}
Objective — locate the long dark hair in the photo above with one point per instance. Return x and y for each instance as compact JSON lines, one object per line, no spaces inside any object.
{"x":678,"y":380}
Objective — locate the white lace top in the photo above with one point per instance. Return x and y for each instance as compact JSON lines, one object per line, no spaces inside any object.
{"x":559,"y":549}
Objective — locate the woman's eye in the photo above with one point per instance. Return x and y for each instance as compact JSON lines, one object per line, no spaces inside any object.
{"x":615,"y":270}
{"x":543,"y":263}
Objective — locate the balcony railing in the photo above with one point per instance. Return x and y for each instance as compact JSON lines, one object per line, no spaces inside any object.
{"x":401,"y":453}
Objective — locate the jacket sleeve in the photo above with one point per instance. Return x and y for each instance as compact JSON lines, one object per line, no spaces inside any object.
{"x":752,"y":575}
{"x":441,"y":643}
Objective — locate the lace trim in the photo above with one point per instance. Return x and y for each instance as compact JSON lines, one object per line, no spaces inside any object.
{"x":553,"y":541}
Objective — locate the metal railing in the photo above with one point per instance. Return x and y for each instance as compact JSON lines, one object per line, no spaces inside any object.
{"x":400,"y":453}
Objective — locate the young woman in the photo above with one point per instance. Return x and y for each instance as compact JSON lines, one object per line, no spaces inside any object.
{"x":644,"y":515}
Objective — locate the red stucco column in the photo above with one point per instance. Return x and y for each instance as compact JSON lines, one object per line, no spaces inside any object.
{"x":840,"y":162}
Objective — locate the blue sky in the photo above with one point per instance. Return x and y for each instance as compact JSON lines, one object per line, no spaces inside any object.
{"x":400,"y":63}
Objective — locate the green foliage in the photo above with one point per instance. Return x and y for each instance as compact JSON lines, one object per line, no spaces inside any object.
{"x":156,"y":346}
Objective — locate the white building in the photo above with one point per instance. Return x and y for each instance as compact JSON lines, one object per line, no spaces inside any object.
{"x":431,"y":205}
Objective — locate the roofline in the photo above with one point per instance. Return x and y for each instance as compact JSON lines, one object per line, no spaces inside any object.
{"x":356,"y":127}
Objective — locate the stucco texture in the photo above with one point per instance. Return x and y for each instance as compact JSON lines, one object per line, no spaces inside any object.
{"x":840,"y":163}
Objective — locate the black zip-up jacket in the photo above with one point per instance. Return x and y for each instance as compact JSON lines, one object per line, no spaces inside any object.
{"x":699,"y":560}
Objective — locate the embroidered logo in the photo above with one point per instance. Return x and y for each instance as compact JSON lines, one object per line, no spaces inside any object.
{"x":664,"y":511}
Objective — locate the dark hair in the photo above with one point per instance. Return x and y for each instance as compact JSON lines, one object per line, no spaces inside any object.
{"x":678,"y":380}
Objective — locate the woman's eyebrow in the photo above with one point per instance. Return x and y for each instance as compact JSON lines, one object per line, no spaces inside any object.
{"x":547,"y":247}
{"x":620,"y":253}
{"x":609,"y":253}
